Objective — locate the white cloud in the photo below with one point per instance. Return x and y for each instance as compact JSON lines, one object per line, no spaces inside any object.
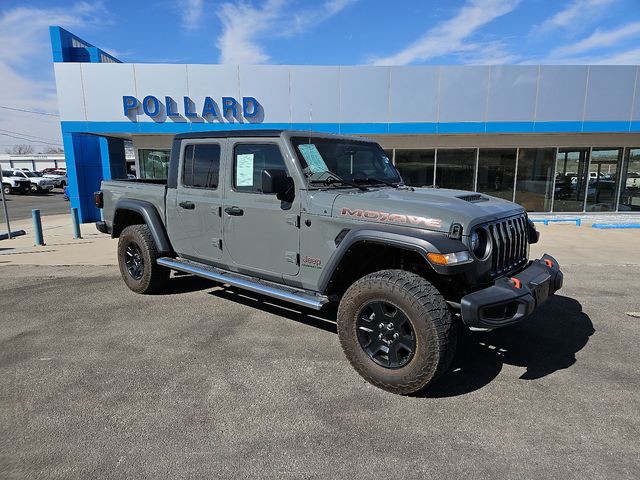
{"x":450,"y":36}
{"x":628,"y":57}
{"x":26,"y":66}
{"x":599,"y":40}
{"x":574,"y":13}
{"x":245,"y":25}
{"x":192,"y":11}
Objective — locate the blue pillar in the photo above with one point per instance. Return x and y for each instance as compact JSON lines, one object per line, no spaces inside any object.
{"x":114,"y":164}
{"x":91,"y":159}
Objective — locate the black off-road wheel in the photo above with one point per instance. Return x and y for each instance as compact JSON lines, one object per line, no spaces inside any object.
{"x":396,"y":330}
{"x":137,"y":255}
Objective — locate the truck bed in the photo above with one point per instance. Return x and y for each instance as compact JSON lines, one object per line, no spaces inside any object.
{"x":148,"y":190}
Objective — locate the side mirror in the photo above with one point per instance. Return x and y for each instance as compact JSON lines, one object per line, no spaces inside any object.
{"x":275,"y":181}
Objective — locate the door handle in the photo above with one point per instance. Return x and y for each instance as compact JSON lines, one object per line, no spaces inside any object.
{"x":235,"y":211}
{"x":187,"y":205}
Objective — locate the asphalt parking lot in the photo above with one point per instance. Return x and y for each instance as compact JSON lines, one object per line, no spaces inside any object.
{"x":20,"y":206}
{"x":201,"y":382}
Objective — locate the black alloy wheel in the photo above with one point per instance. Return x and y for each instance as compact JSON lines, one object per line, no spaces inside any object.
{"x":134,"y":261}
{"x":386,"y":334}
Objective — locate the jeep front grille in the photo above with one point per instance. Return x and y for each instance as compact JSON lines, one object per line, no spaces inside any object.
{"x":510,"y":244}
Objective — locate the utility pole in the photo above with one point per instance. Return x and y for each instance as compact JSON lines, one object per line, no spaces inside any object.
{"x":4,"y":205}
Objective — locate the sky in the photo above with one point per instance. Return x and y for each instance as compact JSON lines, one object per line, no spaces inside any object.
{"x":318,"y":32}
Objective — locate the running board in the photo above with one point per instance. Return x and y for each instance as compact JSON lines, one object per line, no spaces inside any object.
{"x":299,"y":297}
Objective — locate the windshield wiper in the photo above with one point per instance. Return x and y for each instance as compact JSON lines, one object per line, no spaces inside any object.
{"x":333,"y":180}
{"x":371,"y":180}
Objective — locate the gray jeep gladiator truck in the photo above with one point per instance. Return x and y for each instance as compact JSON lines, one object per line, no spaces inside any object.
{"x":317,"y":219}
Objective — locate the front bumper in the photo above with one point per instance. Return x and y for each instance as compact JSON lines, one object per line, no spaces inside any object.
{"x":512,"y":299}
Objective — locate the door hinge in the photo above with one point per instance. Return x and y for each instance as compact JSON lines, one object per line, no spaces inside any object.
{"x":292,"y":257}
{"x":217,"y":242}
{"x":220,"y":211}
{"x":293,"y":220}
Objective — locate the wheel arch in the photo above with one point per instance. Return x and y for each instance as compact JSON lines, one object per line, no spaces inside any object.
{"x":393,"y":247}
{"x":135,"y":212}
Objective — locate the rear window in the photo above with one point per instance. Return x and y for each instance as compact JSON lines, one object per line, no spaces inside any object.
{"x":201,"y":165}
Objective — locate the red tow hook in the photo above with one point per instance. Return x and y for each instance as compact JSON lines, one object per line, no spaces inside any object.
{"x":548,"y":262}
{"x":516,"y":283}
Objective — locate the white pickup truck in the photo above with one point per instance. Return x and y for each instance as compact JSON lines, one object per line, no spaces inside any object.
{"x":14,"y":184}
{"x":37,"y":181}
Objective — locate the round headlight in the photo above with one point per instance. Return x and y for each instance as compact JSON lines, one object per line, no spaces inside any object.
{"x":475,"y":241}
{"x":480,"y":243}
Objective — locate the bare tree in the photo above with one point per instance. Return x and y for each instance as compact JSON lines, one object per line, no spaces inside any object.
{"x":54,"y":150}
{"x":22,"y":149}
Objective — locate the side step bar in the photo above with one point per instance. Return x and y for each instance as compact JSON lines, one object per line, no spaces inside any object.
{"x":299,"y":297}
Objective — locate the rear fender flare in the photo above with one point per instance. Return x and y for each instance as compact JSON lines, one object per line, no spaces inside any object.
{"x":151,"y":218}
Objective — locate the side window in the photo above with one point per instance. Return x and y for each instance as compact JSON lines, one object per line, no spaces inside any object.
{"x":201,"y":165}
{"x":249,"y":161}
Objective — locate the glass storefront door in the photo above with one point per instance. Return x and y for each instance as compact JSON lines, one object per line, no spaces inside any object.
{"x":570,"y":180}
{"x":496,"y":172}
{"x":416,"y":167}
{"x":455,"y":168}
{"x":630,"y":186}
{"x":535,"y":178}
{"x":603,"y":178}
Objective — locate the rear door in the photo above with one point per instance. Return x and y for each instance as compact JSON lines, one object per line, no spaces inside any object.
{"x":193,"y":211}
{"x":261,"y":233}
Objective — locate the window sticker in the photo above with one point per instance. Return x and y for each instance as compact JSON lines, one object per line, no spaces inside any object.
{"x":313,"y":158}
{"x":244,"y":170}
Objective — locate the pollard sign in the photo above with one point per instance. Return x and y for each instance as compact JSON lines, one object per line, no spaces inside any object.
{"x":228,"y":108}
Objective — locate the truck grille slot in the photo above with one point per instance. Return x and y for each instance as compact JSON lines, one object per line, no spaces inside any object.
{"x":510,"y":244}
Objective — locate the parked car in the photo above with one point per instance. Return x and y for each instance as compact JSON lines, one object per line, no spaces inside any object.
{"x":38,"y":182}
{"x":317,"y":220}
{"x":59,"y":178}
{"x":11,"y":183}
{"x":51,"y":170}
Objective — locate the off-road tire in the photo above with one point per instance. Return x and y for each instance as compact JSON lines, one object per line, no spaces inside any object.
{"x":6,"y":188}
{"x":434,"y":326}
{"x":154,"y":277}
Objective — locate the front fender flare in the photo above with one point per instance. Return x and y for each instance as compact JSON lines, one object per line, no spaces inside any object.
{"x":411,"y":239}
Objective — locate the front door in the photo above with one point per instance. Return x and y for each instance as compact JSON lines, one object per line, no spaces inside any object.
{"x":196,"y":226}
{"x":261,"y":233}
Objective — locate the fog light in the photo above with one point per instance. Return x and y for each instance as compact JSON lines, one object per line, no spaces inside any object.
{"x":449,"y":258}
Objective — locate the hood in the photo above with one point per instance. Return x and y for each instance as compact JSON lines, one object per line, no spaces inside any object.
{"x":428,"y":208}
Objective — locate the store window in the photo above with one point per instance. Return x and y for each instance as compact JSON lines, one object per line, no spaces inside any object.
{"x":201,"y":165}
{"x":153,"y":163}
{"x":250,"y":160}
{"x":534,"y":183}
{"x":456,"y":168}
{"x":416,"y":166}
{"x":496,"y":171}
{"x":603,"y":179}
{"x":630,"y":187}
{"x":571,"y":179}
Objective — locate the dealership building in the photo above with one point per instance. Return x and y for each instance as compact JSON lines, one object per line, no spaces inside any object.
{"x":554,"y":138}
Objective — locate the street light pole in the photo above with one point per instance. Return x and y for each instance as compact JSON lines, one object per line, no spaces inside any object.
{"x":4,"y":205}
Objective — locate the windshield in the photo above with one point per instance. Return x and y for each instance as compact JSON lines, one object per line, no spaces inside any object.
{"x":360,"y":162}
